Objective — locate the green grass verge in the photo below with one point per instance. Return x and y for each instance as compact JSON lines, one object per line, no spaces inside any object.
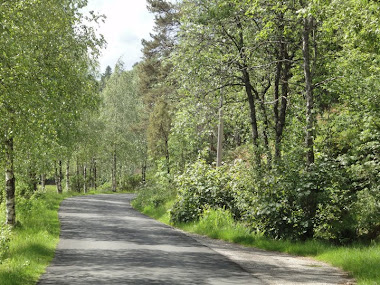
{"x":33,"y":240}
{"x":361,"y":261}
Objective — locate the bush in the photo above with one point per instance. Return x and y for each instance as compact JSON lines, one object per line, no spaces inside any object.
{"x":130,"y":182}
{"x":295,"y":203}
{"x":367,"y":210}
{"x":202,"y":186}
{"x":287,"y":202}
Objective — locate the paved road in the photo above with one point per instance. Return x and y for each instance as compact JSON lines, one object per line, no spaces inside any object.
{"x":104,"y":241}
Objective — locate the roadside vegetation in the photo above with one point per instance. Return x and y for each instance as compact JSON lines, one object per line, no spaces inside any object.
{"x":264,"y":125}
{"x":30,"y":246}
{"x":360,"y":260}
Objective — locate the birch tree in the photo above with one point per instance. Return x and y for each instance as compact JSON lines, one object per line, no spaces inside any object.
{"x":44,"y":74}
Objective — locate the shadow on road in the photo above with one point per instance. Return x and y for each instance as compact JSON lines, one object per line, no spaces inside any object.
{"x":104,"y":241}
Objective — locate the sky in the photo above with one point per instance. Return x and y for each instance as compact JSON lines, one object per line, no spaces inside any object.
{"x":127,"y":23}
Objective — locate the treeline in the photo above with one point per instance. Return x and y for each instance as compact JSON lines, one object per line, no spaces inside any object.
{"x":48,"y":85}
{"x":294,"y":86}
{"x":62,"y":122}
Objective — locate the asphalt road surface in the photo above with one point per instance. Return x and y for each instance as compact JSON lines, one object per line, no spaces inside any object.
{"x":104,"y":241}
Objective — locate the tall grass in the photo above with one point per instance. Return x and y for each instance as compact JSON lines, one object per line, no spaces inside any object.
{"x":33,"y":240}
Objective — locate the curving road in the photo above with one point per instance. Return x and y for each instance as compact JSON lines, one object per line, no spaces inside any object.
{"x":104,"y":241}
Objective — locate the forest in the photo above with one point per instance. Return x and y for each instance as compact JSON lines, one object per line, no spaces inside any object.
{"x":266,"y":110}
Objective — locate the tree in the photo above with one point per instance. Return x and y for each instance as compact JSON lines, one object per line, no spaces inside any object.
{"x":154,"y":76}
{"x":121,"y":112}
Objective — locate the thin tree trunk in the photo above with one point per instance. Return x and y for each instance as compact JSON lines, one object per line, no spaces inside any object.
{"x":68,"y":175}
{"x":248,"y":90}
{"x":58,"y":177}
{"x":282,"y":77}
{"x":143,"y":172}
{"x":266,"y":123}
{"x":311,"y":207}
{"x":167,"y":156}
{"x":85,"y":178}
{"x":280,"y":123}
{"x":277,"y":151}
{"x":308,"y":92}
{"x":10,"y":183}
{"x":95,"y":175}
{"x":252,"y":108}
{"x":219,"y":148}
{"x":114,"y":170}
{"x":78,"y":176}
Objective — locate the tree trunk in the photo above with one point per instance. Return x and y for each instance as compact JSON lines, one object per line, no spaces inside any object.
{"x":85,"y":178}
{"x":219,"y":148}
{"x":95,"y":175}
{"x":277,"y":151}
{"x":114,"y":170}
{"x":68,"y":175}
{"x":167,"y":157}
{"x":143,"y":172}
{"x":10,"y":183}
{"x":311,"y":207}
{"x":58,"y":177}
{"x":281,"y":79}
{"x":248,"y":90}
{"x":308,"y":92}
{"x":252,"y":108}
{"x":266,"y":123}
{"x":78,"y":176}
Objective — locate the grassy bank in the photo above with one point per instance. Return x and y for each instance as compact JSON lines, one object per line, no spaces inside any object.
{"x":31,"y":244}
{"x":361,"y":261}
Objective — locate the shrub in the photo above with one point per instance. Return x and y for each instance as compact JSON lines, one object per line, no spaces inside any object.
{"x":367,"y":210}
{"x":202,"y":186}
{"x":130,"y":182}
{"x":295,"y":203}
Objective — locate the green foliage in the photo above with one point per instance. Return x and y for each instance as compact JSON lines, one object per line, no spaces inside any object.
{"x":153,"y":195}
{"x":296,"y":203}
{"x":284,"y":203}
{"x":219,"y":223}
{"x":76,"y":182}
{"x":130,"y":182}
{"x":120,"y":145}
{"x":203,"y":186}
{"x":5,"y":238}
{"x":32,"y":242}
